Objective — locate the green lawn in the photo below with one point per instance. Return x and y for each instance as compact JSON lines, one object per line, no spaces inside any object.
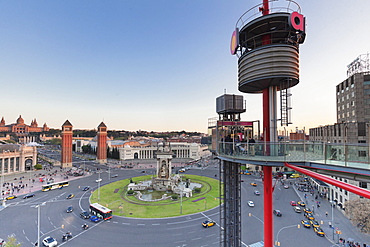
{"x":114,"y":196}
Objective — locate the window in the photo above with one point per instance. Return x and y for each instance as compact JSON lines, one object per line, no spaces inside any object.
{"x":366,"y":82}
{"x":366,"y":91}
{"x":353,"y":94}
{"x":361,"y":128}
{"x":362,"y":153}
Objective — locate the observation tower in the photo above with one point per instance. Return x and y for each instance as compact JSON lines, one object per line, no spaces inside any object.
{"x":266,"y":40}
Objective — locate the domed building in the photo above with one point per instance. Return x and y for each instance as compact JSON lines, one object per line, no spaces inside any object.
{"x":20,"y":128}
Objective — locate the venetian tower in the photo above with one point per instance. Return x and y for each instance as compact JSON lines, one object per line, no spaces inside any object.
{"x":102,"y":143}
{"x":67,"y":134}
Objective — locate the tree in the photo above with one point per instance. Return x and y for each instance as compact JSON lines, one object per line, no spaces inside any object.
{"x":12,"y":242}
{"x":359,"y":212}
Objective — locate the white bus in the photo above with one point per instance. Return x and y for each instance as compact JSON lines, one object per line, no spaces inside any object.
{"x":56,"y":185}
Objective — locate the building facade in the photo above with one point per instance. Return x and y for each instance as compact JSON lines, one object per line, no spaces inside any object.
{"x":352,"y":126}
{"x":21,"y":128}
{"x":17,"y":158}
{"x":179,"y":150}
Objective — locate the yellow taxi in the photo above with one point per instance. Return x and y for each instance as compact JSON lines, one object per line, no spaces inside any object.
{"x":254,"y":184}
{"x":309,"y":216}
{"x":305,"y":223}
{"x":314,"y":223}
{"x":319,"y":231}
{"x":70,"y":196}
{"x":208,"y":223}
{"x":11,"y":197}
{"x":301,"y":203}
{"x":307,"y":210}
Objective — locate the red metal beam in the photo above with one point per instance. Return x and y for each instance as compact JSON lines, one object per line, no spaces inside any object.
{"x":349,"y":187}
{"x":268,"y":222}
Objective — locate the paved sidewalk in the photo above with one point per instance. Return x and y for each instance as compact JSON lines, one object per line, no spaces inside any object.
{"x":28,"y":182}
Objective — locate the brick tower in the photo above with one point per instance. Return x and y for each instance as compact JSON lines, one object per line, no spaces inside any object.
{"x":101,"y":153}
{"x":67,"y":144}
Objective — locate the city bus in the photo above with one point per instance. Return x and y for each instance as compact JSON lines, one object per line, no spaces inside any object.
{"x":56,"y":185}
{"x":100,"y":211}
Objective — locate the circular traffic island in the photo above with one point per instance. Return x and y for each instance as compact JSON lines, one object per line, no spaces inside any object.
{"x":148,"y":203}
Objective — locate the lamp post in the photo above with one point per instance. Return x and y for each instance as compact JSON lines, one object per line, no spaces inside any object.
{"x":38,"y":221}
{"x":99,"y":186}
{"x":332,"y":216}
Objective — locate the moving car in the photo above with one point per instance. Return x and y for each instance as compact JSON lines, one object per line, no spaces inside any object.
{"x":305,"y":223}
{"x":319,"y":231}
{"x":293,"y":203}
{"x":286,"y":186}
{"x":49,"y":242}
{"x":277,"y":213}
{"x":86,"y":188}
{"x":257,"y":193}
{"x":301,"y":203}
{"x":208,"y":223}
{"x":94,"y":218}
{"x":85,"y":215}
{"x":2,"y":242}
{"x":70,"y":196}
{"x":69,"y":209}
{"x":250,"y":203}
{"x":11,"y":197}
{"x":98,"y":180}
{"x":297,"y":209}
{"x":115,"y":175}
{"x":254,"y":184}
{"x":28,"y":196}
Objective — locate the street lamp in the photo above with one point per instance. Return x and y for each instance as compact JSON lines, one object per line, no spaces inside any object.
{"x":99,"y":187}
{"x":38,"y":222}
{"x":332,"y":216}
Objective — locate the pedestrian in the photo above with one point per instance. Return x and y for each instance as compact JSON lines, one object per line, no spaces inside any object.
{"x":326,"y":214}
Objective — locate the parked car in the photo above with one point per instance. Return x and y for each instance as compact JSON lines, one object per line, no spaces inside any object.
{"x":28,"y":196}
{"x":250,"y":203}
{"x":305,"y":223}
{"x":208,"y":223}
{"x":297,"y":209}
{"x":319,"y":231}
{"x":69,"y":209}
{"x":307,"y":210}
{"x":277,"y":213}
{"x":2,"y":242}
{"x":314,"y":223}
{"x":309,"y":216}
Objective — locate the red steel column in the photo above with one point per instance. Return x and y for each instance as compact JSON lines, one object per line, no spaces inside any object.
{"x":268,"y":223}
{"x":267,"y":170}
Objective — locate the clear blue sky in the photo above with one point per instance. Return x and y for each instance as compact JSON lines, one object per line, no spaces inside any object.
{"x":158,"y":65}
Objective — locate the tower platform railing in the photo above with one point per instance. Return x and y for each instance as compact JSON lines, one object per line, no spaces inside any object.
{"x":270,"y":153}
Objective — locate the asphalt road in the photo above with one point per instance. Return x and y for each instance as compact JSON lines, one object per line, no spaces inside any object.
{"x":19,"y":219}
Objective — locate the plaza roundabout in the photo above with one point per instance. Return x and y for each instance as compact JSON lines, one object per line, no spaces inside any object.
{"x":116,"y":196}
